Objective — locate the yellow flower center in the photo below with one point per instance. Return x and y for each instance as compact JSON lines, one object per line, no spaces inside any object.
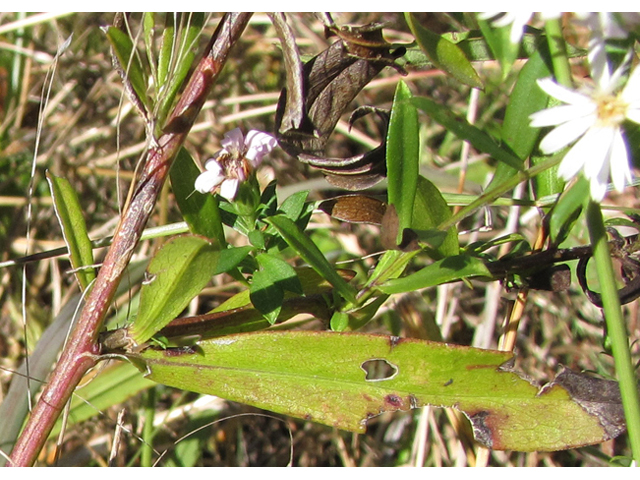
{"x":612,"y":110}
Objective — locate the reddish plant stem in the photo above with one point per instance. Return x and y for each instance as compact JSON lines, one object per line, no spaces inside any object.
{"x":81,"y":351}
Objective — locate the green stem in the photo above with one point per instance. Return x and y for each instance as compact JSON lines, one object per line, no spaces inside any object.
{"x":146,"y":457}
{"x":558,"y":49}
{"x":616,"y":327}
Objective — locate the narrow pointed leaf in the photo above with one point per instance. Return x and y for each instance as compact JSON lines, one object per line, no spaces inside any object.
{"x":177,"y":273}
{"x":181,"y":48}
{"x":403,"y":149}
{"x":445,"y":55}
{"x":74,"y":228}
{"x":566,"y":211}
{"x":447,"y":270}
{"x":200,"y":211}
{"x":525,"y":98}
{"x":343,"y":380}
{"x":311,"y":254}
{"x":134,"y":75}
{"x":430,"y":210}
{"x":465,"y":131}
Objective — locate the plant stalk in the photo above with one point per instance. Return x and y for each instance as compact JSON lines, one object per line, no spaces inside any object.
{"x":616,"y":327}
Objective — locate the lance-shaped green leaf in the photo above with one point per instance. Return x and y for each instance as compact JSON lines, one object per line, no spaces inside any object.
{"x":269,"y":284}
{"x":445,"y":55}
{"x":74,"y":228}
{"x":311,"y":254}
{"x":130,"y":68}
{"x":200,"y":211}
{"x":430,"y":210}
{"x":403,"y":149}
{"x":177,"y":273}
{"x":525,"y":98}
{"x":566,"y":211}
{"x":465,"y":131}
{"x":447,"y":270}
{"x":342,"y":380}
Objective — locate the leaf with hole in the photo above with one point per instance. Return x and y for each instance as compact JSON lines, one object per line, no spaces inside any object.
{"x":344,"y":380}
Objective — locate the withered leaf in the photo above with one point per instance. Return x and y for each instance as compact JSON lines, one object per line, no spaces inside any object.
{"x":355,"y":209}
{"x":598,"y":397}
{"x":328,"y":83}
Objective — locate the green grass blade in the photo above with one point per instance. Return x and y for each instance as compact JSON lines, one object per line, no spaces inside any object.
{"x":74,"y":228}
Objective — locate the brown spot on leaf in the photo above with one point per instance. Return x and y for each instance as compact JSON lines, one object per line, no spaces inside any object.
{"x":598,"y":397}
{"x":393,"y":400}
{"x":476,"y":367}
{"x":481,"y":430}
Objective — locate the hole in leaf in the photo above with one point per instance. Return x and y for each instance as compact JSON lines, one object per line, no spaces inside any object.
{"x":378,"y":369}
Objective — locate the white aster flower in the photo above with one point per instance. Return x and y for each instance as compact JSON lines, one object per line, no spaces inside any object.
{"x":232,"y":165}
{"x":593,"y":118}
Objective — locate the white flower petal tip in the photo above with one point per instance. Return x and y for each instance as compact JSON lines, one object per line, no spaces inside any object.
{"x":517,"y":20}
{"x":208,"y":181}
{"x":258,"y":145}
{"x":233,"y":141}
{"x":229,"y":188}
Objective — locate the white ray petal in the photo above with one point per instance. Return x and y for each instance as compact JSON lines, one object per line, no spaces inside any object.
{"x":563,"y":94}
{"x":619,"y":163}
{"x":564,"y":134}
{"x":561,"y":114}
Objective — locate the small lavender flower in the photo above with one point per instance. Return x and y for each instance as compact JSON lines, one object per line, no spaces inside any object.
{"x":232,"y":165}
